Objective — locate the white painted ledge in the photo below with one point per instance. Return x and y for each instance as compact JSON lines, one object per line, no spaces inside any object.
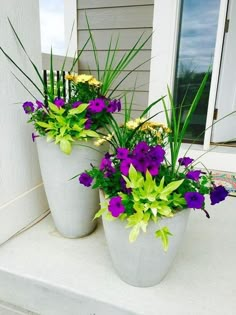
{"x":44,"y":273}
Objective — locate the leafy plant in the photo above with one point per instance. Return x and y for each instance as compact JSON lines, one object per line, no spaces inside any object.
{"x":59,"y":124}
{"x":141,"y":182}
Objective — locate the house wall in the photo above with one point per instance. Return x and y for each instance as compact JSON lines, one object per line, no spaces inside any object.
{"x":128,"y":19}
{"x":22,"y":197}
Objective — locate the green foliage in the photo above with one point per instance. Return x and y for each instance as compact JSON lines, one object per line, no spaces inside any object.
{"x":164,"y":234}
{"x":173,"y":119}
{"x":115,"y":65}
{"x":147,"y":201}
{"x":64,"y":126}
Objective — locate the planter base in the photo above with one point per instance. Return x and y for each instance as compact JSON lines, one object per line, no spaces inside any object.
{"x":144,"y":263}
{"x":72,"y":205}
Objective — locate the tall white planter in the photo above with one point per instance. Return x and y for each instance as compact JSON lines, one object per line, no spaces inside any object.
{"x":144,"y":263}
{"x":72,"y":205}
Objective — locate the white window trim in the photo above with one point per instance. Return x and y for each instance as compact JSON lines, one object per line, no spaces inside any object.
{"x":164,"y":49}
{"x":215,"y":71}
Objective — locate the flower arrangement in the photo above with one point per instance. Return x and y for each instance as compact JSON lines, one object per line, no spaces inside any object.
{"x":78,"y":118}
{"x":143,"y":177}
{"x":88,"y":106}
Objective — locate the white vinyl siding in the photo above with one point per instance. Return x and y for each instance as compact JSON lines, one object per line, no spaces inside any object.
{"x":128,"y":19}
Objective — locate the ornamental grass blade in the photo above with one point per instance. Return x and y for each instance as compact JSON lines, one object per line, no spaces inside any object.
{"x":125,"y":77}
{"x":94,"y":48}
{"x":79,"y":54}
{"x":112,"y":69}
{"x":151,"y":106}
{"x":23,"y":48}
{"x":23,"y":85}
{"x":51,"y":78}
{"x":13,"y":62}
{"x":194,"y":104}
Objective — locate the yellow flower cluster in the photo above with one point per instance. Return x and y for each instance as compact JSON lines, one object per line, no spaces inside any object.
{"x":151,"y":125}
{"x":103,"y":140}
{"x":151,"y":128}
{"x":148,"y":125}
{"x":132,"y":124}
{"x":83,"y":78}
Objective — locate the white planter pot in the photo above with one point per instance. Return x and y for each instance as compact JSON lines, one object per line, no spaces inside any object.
{"x":144,"y":263}
{"x":72,"y":205}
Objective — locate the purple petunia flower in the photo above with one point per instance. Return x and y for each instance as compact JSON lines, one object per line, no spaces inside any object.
{"x":153,"y":169}
{"x":124,"y":189}
{"x":59,"y":102}
{"x":156,"y":154}
{"x":105,"y":162}
{"x":106,"y":167}
{"x":40,"y":105}
{"x":88,"y":124}
{"x":141,"y":148}
{"x":34,"y":136}
{"x":76,"y":104}
{"x":194,"y":175}
{"x":218,"y":194}
{"x":125,"y":165}
{"x":28,"y":107}
{"x":114,"y":105}
{"x":85,"y":179}
{"x":122,"y":153}
{"x":194,"y":199}
{"x":97,"y":105}
{"x":115,"y":206}
{"x":185,"y":161}
{"x":140,"y":162}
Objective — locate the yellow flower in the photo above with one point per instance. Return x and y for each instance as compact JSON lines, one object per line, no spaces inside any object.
{"x":94,"y":82}
{"x":108,"y":137}
{"x":99,"y":142}
{"x":69,"y":77}
{"x":167,"y":130}
{"x":82,"y":78}
{"x":132,"y":124}
{"x":103,"y":140}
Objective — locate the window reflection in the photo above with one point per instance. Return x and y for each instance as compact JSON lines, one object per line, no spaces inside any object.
{"x":196,"y":49}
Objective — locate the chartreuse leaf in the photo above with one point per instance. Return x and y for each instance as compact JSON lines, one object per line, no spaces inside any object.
{"x":65,"y":146}
{"x":149,"y":183}
{"x":178,"y":200}
{"x":170,"y":188}
{"x":163,"y":233}
{"x":78,"y":110}
{"x":109,"y":216}
{"x":80,"y":123}
{"x":60,"y":119}
{"x":103,"y":209}
{"x":164,"y":209}
{"x":140,"y":206}
{"x":159,"y":188}
{"x":50,"y":136}
{"x":123,"y":216}
{"x":45,"y":125}
{"x":135,"y":179}
{"x":134,"y":233}
{"x":133,"y":174}
{"x":89,"y":133}
{"x":56,"y":109}
{"x":62,"y":130}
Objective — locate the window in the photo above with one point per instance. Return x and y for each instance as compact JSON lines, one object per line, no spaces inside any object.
{"x":195,"y":54}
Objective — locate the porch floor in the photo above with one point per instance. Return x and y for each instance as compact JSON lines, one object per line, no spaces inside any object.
{"x":42,"y":272}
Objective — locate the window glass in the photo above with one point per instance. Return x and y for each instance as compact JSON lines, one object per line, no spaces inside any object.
{"x":195,"y":55}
